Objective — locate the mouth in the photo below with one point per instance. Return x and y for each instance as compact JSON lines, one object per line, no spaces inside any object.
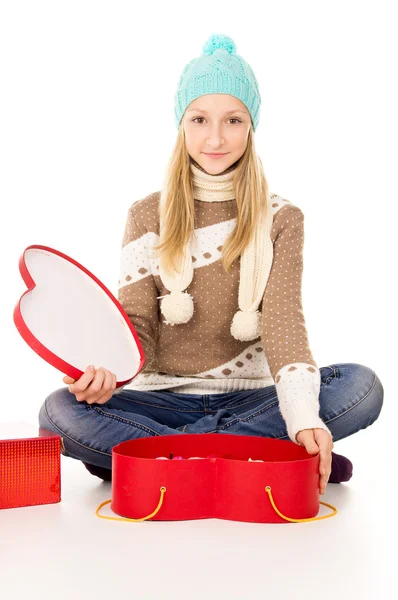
{"x":215,"y":154}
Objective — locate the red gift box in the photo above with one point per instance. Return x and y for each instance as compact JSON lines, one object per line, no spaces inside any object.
{"x":285,"y":487}
{"x":30,"y":465}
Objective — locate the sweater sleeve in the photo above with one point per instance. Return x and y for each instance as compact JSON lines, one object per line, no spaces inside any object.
{"x":137,"y":291}
{"x":284,"y":334}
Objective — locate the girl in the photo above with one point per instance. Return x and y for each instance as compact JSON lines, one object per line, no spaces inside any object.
{"x":211,"y":273}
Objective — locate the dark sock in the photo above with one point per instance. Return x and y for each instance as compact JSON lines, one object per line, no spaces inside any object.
{"x":341,"y":469}
{"x":100,"y":472}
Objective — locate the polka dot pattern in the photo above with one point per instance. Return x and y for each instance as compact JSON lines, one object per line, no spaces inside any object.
{"x":202,"y":356}
{"x":283,"y":325}
{"x":224,"y":360}
{"x":137,"y":290}
{"x":298,"y":387}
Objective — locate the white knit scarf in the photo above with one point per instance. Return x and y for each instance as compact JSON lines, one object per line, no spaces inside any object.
{"x":255,"y":264}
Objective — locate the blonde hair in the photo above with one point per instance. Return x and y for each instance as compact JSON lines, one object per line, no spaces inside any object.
{"x":251,"y":195}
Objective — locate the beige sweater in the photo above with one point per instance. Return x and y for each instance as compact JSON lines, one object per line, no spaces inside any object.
{"x":201,"y":356}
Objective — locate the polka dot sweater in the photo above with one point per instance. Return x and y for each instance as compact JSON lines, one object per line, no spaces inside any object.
{"x":201,"y":356}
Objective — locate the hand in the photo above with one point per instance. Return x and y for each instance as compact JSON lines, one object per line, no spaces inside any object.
{"x":316,"y":440}
{"x":95,"y":387}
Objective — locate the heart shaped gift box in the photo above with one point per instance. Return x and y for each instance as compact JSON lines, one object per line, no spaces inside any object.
{"x":72,"y":320}
{"x":285,"y":487}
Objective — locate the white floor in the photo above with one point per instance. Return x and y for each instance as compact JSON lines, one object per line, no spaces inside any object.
{"x":63,"y":551}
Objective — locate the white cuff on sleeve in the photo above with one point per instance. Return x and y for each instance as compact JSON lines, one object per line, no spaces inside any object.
{"x":298,"y":386}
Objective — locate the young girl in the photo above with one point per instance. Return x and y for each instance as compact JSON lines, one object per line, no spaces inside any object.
{"x":211,"y":274}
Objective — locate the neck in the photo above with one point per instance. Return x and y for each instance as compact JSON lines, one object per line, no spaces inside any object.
{"x":212,"y":188}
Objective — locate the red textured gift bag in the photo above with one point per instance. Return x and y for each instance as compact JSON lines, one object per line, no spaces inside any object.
{"x":30,"y":465}
{"x":285,"y":487}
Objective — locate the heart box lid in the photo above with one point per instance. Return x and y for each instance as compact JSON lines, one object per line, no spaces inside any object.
{"x":72,"y":320}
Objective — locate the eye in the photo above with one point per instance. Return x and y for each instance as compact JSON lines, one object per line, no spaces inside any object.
{"x":230,"y":119}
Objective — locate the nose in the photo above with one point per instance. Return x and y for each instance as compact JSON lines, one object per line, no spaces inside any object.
{"x":215,"y":139}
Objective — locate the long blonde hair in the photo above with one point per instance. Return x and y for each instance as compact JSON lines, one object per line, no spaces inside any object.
{"x":251,"y":195}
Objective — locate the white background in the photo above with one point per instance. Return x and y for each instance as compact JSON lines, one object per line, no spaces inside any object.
{"x":87,"y":126}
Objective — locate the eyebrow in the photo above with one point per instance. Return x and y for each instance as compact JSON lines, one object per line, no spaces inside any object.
{"x":227,"y":113}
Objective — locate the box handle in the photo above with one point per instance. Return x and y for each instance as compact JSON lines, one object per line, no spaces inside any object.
{"x":163,"y":489}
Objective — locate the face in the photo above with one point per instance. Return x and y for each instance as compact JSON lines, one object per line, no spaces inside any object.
{"x":218,"y":123}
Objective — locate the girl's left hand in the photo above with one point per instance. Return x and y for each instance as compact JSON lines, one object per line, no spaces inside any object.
{"x":316,"y":440}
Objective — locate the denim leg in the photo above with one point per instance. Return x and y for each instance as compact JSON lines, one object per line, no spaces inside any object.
{"x":90,"y":431}
{"x":351,"y":398}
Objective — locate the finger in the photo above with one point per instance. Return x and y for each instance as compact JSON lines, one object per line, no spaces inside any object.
{"x":323,"y":483}
{"x":108,"y":381}
{"x":95,"y":388}
{"x":317,"y":441}
{"x":68,"y":379}
{"x":323,"y":479}
{"x":83,"y":382}
{"x":325,"y":470}
{"x":323,"y":463}
{"x":324,"y":440}
{"x":308,"y":440}
{"x":114,"y":382}
{"x":107,"y":387}
{"x":90,"y":394}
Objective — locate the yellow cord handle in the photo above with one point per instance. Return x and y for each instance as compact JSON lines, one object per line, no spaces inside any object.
{"x":163,"y":489}
{"x":268,"y":489}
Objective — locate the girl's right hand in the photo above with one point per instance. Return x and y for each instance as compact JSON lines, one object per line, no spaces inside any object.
{"x":94,"y":386}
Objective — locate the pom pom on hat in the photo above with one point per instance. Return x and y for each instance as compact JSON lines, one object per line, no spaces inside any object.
{"x":219,"y":41}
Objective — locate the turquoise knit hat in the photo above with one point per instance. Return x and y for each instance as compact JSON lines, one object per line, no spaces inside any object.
{"x":219,"y":70}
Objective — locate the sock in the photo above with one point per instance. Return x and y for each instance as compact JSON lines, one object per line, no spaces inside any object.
{"x":341,"y":469}
{"x":101,"y":472}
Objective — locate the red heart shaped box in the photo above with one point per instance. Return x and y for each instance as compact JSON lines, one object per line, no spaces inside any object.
{"x":71,"y":319}
{"x":230,"y":487}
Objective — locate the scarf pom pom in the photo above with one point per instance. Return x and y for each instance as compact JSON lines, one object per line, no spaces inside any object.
{"x":177,"y":307}
{"x":246,"y":325}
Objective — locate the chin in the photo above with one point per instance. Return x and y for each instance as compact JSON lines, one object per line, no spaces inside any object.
{"x":216,"y":165}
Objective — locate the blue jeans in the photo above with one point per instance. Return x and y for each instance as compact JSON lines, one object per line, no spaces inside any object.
{"x":351,"y":397}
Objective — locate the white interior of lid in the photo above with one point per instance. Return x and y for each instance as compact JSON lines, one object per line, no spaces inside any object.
{"x":72,"y":316}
